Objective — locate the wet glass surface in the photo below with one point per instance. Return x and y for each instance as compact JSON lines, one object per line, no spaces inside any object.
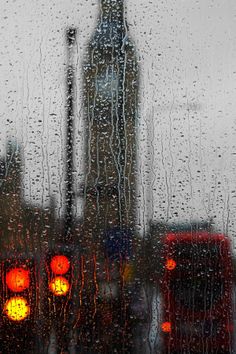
{"x":117,"y":177}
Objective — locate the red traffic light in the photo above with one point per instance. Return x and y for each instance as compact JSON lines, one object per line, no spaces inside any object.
{"x":170,"y":264}
{"x":60,"y":264}
{"x":166,"y":327}
{"x":18,"y":279}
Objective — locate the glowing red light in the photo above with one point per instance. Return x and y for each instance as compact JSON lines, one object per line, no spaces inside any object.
{"x":170,"y":264}
{"x":60,"y":264}
{"x":18,"y":279}
{"x":166,"y":327}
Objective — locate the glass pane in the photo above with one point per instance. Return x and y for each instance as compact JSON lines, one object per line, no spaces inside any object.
{"x":117,"y":177}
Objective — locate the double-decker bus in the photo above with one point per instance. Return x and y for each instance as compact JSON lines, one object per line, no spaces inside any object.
{"x":196,"y":290}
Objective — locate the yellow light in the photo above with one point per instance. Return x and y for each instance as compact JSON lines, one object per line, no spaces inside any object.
{"x":128,"y":272}
{"x":59,"y":286}
{"x":17,"y":308}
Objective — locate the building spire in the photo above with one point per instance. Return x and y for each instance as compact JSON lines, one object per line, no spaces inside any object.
{"x":113,"y":9}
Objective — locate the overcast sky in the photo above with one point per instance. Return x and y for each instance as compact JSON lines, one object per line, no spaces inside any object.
{"x":187,"y":116}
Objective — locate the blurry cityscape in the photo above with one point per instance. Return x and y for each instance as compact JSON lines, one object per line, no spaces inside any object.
{"x":169,"y":291}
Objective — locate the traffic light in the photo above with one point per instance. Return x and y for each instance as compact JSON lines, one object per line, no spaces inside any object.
{"x":60,"y":270}
{"x":19,"y":290}
{"x":60,"y":288}
{"x":170,"y":264}
{"x":166,"y":327}
{"x":19,"y":304}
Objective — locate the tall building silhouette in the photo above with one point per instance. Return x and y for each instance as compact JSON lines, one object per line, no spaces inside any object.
{"x":110,"y":101}
{"x":110,"y":96}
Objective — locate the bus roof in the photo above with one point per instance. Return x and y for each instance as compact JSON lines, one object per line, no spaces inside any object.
{"x":195,"y":236}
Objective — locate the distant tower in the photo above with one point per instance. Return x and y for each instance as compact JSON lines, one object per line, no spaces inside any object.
{"x":110,"y":96}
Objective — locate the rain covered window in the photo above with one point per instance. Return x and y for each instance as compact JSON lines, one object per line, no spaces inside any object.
{"x":117,"y":177}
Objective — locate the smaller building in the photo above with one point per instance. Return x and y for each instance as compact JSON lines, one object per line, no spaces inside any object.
{"x":23,"y":227}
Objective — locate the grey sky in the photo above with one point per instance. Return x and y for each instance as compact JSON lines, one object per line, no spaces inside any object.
{"x":187,"y":123}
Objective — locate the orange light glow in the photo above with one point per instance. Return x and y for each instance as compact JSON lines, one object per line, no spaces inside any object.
{"x":17,"y":308}
{"x":166,"y":327}
{"x":170,"y":264}
{"x":18,"y":279}
{"x":128,"y":272}
{"x":59,"y":286}
{"x":60,"y":264}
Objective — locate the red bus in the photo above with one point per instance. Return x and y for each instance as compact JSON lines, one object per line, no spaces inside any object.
{"x":196,"y":291}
